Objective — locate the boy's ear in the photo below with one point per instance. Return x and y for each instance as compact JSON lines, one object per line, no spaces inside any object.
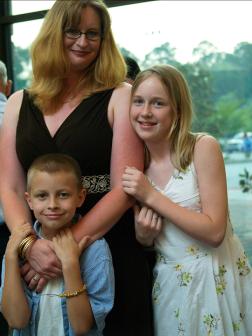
{"x":82,"y":196}
{"x":28,"y":199}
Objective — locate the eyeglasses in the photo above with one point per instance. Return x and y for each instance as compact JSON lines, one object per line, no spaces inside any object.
{"x":91,"y":35}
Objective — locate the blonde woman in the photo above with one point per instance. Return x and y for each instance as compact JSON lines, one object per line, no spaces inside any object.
{"x":78,"y":105}
{"x":202,"y":277}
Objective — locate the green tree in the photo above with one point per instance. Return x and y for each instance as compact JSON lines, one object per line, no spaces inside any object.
{"x":21,"y":67}
{"x":164,"y":54}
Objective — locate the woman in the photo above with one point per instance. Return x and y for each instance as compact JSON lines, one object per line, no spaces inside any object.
{"x":78,"y":105}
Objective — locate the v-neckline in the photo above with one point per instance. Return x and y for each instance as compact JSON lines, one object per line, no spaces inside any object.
{"x":70,"y":115}
{"x":166,"y":185}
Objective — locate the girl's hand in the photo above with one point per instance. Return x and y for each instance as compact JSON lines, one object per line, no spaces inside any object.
{"x":66,"y":248}
{"x":136,"y":184}
{"x":148,"y":225}
{"x":17,"y":235}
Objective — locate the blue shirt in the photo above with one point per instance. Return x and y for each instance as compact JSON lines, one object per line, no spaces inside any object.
{"x":97,"y":274}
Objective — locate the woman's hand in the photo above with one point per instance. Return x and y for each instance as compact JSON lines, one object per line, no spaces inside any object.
{"x":16,"y":237}
{"x":136,"y":184}
{"x":32,"y":278}
{"x":148,"y":225}
{"x":42,"y":265}
{"x":42,"y":258}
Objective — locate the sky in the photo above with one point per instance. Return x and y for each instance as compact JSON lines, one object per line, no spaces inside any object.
{"x":184,"y":24}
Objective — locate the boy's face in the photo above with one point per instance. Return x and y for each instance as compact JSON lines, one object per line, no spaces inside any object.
{"x":54,"y":197}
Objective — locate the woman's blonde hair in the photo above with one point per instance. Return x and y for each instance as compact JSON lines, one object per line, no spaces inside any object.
{"x":181,"y":139}
{"x":49,"y":61}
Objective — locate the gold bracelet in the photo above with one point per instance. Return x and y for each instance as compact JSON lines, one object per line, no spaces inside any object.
{"x":26,"y":247}
{"x":68,"y":294}
{"x":25,"y":243}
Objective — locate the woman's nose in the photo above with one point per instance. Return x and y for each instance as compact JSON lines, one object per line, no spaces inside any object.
{"x":82,"y":41}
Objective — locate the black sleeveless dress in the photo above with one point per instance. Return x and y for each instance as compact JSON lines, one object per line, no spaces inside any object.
{"x":87,"y":136}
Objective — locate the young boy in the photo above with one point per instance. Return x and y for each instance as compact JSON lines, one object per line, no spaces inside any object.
{"x":78,"y":302}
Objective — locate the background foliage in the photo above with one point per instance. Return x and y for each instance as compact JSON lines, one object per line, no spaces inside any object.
{"x":221,"y":83}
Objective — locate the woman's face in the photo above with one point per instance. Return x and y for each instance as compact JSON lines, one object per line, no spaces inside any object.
{"x":82,"y":51}
{"x":151,"y":112}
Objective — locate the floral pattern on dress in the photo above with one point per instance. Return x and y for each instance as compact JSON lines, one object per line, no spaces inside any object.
{"x":237,"y":325}
{"x":211,"y":323}
{"x":161,"y":258}
{"x":220,"y":281}
{"x":156,"y":291}
{"x":195,"y":251}
{"x":184,"y":277}
{"x":181,"y":329}
{"x":242,"y":264}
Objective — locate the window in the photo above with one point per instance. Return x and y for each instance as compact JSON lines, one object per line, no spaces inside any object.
{"x":215,"y":54}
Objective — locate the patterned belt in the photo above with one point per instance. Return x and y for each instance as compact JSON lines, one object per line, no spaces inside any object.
{"x":96,"y":183}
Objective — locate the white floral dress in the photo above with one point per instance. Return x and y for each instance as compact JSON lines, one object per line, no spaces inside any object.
{"x":199,"y":290}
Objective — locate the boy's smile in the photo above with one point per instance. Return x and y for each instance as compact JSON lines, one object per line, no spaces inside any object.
{"x":54,"y":197}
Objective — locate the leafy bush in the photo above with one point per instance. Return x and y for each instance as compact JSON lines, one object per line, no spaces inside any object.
{"x":246,"y":181}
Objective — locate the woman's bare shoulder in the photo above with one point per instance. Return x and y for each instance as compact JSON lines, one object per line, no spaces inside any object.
{"x":13,"y":106}
{"x":16,"y":96}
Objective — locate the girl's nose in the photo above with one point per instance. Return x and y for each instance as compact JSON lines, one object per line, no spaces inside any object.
{"x":146,"y":111}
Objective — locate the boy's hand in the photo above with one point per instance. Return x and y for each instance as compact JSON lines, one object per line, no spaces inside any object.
{"x":17,"y":235}
{"x":136,"y":184}
{"x":148,"y":225}
{"x":66,"y":248}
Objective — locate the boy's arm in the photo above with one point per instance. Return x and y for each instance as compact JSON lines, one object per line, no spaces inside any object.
{"x":78,"y":307}
{"x":14,"y":295}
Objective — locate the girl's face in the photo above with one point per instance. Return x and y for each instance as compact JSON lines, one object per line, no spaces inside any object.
{"x":54,"y":198}
{"x":151,"y":112}
{"x":83,"y":50}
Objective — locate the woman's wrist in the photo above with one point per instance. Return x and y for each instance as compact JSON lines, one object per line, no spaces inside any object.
{"x":26,"y":245}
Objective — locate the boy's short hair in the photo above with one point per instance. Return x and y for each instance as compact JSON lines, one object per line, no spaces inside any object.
{"x":53,"y":163}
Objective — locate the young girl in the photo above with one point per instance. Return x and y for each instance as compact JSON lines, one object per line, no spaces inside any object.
{"x":203,"y":281}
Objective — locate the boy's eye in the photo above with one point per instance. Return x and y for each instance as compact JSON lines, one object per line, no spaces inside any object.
{"x":41,"y":196}
{"x":64,"y":194}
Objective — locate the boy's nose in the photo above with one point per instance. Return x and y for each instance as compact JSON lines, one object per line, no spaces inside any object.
{"x":52,"y":202}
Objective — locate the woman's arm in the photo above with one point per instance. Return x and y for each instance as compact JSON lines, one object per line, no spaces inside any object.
{"x":127,"y":149}
{"x":13,"y":291}
{"x":209,"y":226}
{"x":12,"y":182}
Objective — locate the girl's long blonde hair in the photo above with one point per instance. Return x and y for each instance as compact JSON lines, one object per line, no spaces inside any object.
{"x":182,"y":140}
{"x":49,"y":61}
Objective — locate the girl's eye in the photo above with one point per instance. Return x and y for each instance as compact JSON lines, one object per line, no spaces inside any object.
{"x":158,"y":103}
{"x":138,"y":101}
